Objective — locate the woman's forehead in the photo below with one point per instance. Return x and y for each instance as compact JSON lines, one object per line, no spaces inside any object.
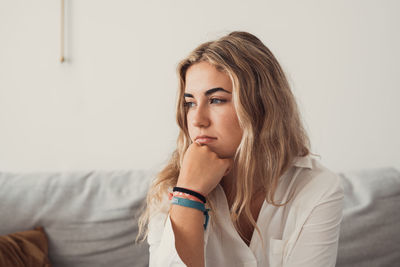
{"x":202,"y":77}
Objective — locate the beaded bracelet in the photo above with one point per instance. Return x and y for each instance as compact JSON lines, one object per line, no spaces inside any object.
{"x":183,"y":195}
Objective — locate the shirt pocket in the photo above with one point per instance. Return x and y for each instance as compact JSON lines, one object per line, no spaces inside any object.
{"x":276,"y":247}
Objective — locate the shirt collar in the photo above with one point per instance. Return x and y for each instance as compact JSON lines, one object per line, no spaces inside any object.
{"x":303,"y":162}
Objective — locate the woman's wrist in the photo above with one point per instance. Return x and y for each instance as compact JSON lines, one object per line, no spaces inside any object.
{"x":190,"y":192}
{"x":192,"y":187}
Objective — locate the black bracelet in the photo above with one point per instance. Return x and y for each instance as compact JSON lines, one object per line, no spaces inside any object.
{"x":190,"y":192}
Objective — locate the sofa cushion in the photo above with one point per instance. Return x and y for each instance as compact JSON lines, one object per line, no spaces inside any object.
{"x":370,"y":229}
{"x":90,"y":217}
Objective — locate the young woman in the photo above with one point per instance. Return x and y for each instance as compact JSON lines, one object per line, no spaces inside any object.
{"x":241,"y":189}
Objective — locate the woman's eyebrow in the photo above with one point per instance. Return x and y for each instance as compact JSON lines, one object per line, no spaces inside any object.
{"x":209,"y":92}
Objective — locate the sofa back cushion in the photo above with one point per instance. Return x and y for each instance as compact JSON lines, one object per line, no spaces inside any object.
{"x":370,"y":229}
{"x":90,"y":217}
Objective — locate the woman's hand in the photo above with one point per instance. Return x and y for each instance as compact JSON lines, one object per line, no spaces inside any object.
{"x":202,"y":169}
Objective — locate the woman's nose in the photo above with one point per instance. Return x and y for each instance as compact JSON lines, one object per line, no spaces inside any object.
{"x":200,"y":117}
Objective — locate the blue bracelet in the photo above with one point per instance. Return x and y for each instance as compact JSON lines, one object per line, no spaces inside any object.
{"x":192,"y":204}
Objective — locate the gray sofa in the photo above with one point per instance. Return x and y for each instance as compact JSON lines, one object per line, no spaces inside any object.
{"x":90,"y":217}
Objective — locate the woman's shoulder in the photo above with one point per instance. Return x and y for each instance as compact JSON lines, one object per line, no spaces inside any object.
{"x":312,"y":180}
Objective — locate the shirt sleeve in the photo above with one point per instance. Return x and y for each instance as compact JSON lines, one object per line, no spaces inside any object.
{"x":161,"y":240}
{"x":317,"y":243}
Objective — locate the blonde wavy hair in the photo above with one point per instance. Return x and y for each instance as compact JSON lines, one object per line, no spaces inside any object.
{"x":273,"y":134}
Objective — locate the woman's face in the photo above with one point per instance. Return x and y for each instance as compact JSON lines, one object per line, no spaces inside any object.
{"x":211,"y":115}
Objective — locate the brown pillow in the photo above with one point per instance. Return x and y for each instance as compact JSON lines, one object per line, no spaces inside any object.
{"x":25,"y":249}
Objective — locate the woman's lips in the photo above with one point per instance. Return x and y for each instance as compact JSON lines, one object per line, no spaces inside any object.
{"x":205,"y":140}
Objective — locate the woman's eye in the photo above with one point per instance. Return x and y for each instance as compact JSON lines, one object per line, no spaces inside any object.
{"x":189,"y":104}
{"x":217,"y":101}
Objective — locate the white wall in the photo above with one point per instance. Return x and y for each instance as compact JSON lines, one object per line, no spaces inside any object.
{"x":111,"y":105}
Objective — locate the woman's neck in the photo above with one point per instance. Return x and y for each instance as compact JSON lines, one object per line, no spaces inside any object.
{"x":228,"y":183}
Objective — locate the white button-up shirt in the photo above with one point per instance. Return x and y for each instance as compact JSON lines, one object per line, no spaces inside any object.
{"x":304,"y":232}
